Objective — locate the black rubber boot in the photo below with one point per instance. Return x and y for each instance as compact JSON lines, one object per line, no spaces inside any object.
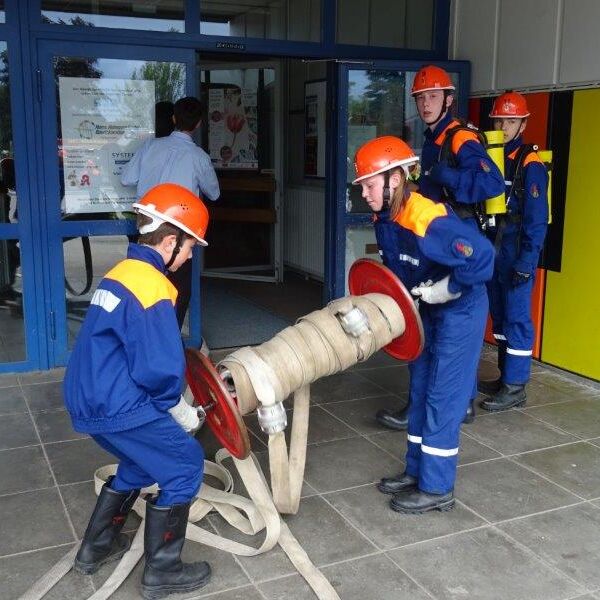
{"x":401,"y":483}
{"x":164,"y":536}
{"x":470,"y":416}
{"x":103,"y":540}
{"x":509,"y":396}
{"x":491,"y":386}
{"x":417,"y":502}
{"x":397,"y":420}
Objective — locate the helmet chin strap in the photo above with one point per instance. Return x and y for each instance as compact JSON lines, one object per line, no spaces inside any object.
{"x":176,"y":250}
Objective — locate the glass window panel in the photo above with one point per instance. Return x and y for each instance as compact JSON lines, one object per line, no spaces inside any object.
{"x":2,"y":13}
{"x":106,"y":109}
{"x":12,"y":325}
{"x":298,"y":20}
{"x":379,"y":103}
{"x":87,"y":260}
{"x":397,"y":24}
{"x":360,"y":243}
{"x":149,"y":15}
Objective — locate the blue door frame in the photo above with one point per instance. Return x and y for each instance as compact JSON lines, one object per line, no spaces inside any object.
{"x":31,"y":45}
{"x":337,"y":219}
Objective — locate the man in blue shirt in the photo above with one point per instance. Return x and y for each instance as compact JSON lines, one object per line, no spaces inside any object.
{"x":176,"y":159}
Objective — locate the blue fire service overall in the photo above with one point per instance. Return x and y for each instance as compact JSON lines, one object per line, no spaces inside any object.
{"x":427,"y":241}
{"x":520,"y":246}
{"x":473,"y":180}
{"x":126,"y":371}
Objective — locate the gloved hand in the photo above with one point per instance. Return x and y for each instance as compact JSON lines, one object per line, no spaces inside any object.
{"x":438,"y":293}
{"x":520,"y":277}
{"x":443,"y":174}
{"x":185,"y":415}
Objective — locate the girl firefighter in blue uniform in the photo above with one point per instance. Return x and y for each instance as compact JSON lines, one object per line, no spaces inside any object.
{"x":445,"y":263}
{"x":455,"y":168}
{"x":123,"y":386}
{"x":519,"y":237}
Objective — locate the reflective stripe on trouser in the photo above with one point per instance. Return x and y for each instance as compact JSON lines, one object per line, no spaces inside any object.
{"x":441,"y":385}
{"x":157,"y":452}
{"x":510,"y":308}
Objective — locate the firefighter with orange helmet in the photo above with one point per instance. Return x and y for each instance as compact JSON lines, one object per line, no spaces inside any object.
{"x":455,"y":168}
{"x":445,"y":263}
{"x":519,"y":237}
{"x":123,"y":387}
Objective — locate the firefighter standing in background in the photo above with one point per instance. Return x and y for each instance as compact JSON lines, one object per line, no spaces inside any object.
{"x":519,"y":237}
{"x":455,"y":168}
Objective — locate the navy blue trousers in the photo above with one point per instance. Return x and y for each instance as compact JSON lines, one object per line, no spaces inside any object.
{"x":157,"y":452}
{"x":441,"y":386}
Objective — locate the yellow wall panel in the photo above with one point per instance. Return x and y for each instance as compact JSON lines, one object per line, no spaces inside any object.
{"x":571,"y":330}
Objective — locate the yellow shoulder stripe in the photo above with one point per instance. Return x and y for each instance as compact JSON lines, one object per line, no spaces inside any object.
{"x":144,"y":281}
{"x":418,"y":213}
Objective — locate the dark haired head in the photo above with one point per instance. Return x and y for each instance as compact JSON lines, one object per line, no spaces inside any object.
{"x":188,"y":112}
{"x":163,"y":113}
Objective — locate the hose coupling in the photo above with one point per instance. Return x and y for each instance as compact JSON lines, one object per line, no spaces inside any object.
{"x":272,"y":419}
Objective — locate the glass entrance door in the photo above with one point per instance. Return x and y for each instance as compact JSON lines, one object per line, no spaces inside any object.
{"x":372,"y":102}
{"x":95,"y":112}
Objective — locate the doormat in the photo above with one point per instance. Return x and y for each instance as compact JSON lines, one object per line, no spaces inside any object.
{"x":229,"y":320}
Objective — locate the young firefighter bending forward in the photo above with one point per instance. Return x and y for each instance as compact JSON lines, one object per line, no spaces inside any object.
{"x":123,"y":385}
{"x":445,"y":263}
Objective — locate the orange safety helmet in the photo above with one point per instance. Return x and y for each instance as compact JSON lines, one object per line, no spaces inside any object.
{"x":431,"y":77}
{"x":172,"y":203}
{"x":511,"y":105}
{"x":382,"y":154}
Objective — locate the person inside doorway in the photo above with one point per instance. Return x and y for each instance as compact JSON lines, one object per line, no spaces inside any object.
{"x":175,"y":158}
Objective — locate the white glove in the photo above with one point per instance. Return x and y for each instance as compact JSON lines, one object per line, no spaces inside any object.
{"x":185,"y":415}
{"x":437,"y":293}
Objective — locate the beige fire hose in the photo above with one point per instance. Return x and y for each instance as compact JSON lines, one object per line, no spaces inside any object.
{"x":322,"y":343}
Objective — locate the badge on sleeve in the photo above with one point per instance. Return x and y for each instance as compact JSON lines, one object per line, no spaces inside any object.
{"x":535,"y":193}
{"x":484,"y":165}
{"x":462,"y":248}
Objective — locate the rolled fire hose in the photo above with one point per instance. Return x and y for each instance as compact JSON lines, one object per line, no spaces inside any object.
{"x":322,"y":343}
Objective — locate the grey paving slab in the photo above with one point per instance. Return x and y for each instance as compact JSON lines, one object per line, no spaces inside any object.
{"x":18,"y":573}
{"x":12,"y":400}
{"x":501,"y":489}
{"x":394,"y":381}
{"x":575,"y":466}
{"x":579,"y":417}
{"x":42,"y":376}
{"x":512,"y":432}
{"x":32,"y":520}
{"x":44,"y":396}
{"x":8,"y":381}
{"x":484,"y":565}
{"x":372,"y":577}
{"x":575,"y":390}
{"x":368,"y":509}
{"x":343,"y":386}
{"x":77,"y":460}
{"x":17,"y":430}
{"x":248,"y":592}
{"x":360,"y":414}
{"x":393,"y":442}
{"x":346,"y":463}
{"x":325,"y":536}
{"x":470,"y":450}
{"x":539,"y":394}
{"x":568,"y":538}
{"x":226,"y":574}
{"x":379,"y":359}
{"x":24,"y":469}
{"x":56,"y":426}
{"x":80,"y":500}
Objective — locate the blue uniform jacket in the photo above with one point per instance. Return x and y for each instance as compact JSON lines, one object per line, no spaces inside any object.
{"x":427,"y":240}
{"x":528,"y":235}
{"x":475,"y":178}
{"x":127,"y":365}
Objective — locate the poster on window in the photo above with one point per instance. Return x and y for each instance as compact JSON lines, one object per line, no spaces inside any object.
{"x":233,"y":127}
{"x":103,"y":122}
{"x":315,"y":96}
